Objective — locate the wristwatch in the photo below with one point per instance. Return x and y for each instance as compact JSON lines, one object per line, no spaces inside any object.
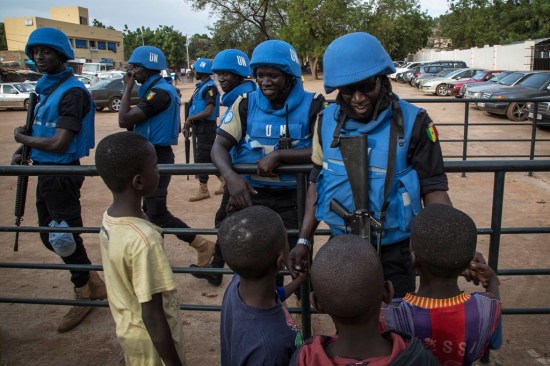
{"x":305,"y":242}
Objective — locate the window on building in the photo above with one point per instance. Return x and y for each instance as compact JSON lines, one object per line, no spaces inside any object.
{"x":111,"y":46}
{"x":92,"y":44}
{"x":81,"y":43}
{"x":101,"y":45}
{"x":83,"y":20}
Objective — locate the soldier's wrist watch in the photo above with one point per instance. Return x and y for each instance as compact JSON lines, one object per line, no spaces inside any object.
{"x":304,"y":242}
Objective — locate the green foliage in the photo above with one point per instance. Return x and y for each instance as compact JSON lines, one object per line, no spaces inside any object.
{"x":99,"y":24}
{"x":200,"y":45}
{"x":3,"y":41}
{"x":170,"y":41}
{"x":475,"y":23}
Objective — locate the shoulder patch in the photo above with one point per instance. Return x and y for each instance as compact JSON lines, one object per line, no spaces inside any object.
{"x":150,"y":96}
{"x":211,"y":93}
{"x":228,"y":117}
{"x":432,"y":133}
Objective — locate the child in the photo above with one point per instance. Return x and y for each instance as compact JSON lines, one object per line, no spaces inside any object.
{"x":456,"y":325}
{"x":349,"y":286}
{"x":140,"y":284}
{"x":256,"y":328}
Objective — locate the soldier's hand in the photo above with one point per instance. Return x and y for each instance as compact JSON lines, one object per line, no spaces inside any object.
{"x":18,"y":132}
{"x":239,"y":191}
{"x":17,"y":156}
{"x":297,"y":260}
{"x":267,"y":164}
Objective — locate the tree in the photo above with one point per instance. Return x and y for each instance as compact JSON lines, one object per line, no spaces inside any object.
{"x":399,"y":25}
{"x":98,"y":24}
{"x":313,"y":24}
{"x":200,"y":45}
{"x":170,"y":41}
{"x":265,"y":16}
{"x":3,"y":41}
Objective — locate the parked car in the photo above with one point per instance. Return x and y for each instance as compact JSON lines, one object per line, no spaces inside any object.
{"x":454,"y":87}
{"x":543,"y":113}
{"x":474,"y":91}
{"x":535,"y":85}
{"x":425,"y":70}
{"x":407,"y":67}
{"x":497,"y":79}
{"x":15,"y":95}
{"x":423,"y":78}
{"x":108,"y":93}
{"x":438,"y":85}
{"x":110,"y":75}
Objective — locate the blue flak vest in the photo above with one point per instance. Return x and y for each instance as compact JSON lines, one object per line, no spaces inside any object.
{"x":333,"y":183}
{"x":264,"y":128}
{"x":45,"y":124}
{"x":199,"y":104}
{"x":163,"y":128}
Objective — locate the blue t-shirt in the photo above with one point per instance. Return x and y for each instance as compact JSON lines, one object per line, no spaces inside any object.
{"x":255,"y":336}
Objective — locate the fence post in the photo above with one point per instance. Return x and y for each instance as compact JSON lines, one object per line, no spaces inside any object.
{"x":496,"y":219}
{"x":466,"y":129}
{"x":301,"y":195}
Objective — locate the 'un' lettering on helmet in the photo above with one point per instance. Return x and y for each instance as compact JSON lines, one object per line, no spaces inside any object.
{"x":241,"y":61}
{"x":293,"y":55}
{"x":153,"y":57}
{"x":203,"y":64}
{"x":268,"y":130}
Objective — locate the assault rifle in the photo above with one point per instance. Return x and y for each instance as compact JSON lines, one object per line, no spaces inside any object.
{"x":355,"y":153}
{"x":23,"y":180}
{"x":285,"y":142}
{"x":186,"y":135}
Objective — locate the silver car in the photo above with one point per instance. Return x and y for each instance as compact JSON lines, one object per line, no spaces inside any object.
{"x":439,"y":85}
{"x":15,"y":95}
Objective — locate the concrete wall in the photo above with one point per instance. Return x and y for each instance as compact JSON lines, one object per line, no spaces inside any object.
{"x":517,"y":56}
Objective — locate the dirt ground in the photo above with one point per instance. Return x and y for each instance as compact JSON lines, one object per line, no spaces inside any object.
{"x":28,"y":332}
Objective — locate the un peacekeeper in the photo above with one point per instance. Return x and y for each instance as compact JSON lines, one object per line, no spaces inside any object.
{"x":203,"y":113}
{"x":157,"y":118}
{"x":232,"y":68}
{"x":62,"y":133}
{"x":251,"y":133}
{"x":357,"y":66}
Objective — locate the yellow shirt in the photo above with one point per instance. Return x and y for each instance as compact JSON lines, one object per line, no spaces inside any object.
{"x":136,"y":268}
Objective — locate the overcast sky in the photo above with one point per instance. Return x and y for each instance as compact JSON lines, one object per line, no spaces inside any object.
{"x":135,"y":13}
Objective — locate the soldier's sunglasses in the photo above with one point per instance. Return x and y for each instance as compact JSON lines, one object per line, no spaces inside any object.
{"x":363,"y":87}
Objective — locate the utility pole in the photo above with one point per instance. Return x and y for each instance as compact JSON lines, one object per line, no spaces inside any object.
{"x":187,"y":51}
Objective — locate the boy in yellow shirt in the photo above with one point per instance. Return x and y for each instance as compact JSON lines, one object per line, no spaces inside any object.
{"x":139,"y":279}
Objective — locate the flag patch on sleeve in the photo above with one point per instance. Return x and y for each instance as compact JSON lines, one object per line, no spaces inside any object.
{"x":432,"y":133}
{"x":150,"y":96}
{"x":211,"y":93}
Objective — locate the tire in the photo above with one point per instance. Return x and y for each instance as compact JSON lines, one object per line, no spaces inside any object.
{"x":441,"y":90}
{"x":516,"y":112}
{"x":26,"y":104}
{"x":114,"y":104}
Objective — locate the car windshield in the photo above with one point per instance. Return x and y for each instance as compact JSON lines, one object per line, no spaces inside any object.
{"x":479,"y":75}
{"x":24,"y":88}
{"x":512,"y":78}
{"x":535,"y":81}
{"x":501,"y":76}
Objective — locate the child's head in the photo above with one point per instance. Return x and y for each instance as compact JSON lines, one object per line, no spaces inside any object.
{"x":443,"y":240}
{"x":253,"y":242}
{"x":348,"y":281}
{"x":126,"y":159}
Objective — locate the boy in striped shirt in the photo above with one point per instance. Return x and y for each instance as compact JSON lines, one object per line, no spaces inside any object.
{"x":457,"y":326}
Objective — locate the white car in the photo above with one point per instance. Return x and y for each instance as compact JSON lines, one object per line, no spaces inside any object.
{"x":15,"y":95}
{"x":439,"y":85}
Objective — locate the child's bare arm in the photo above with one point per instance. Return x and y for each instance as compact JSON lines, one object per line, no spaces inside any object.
{"x":480,"y":272}
{"x":159,"y":331}
{"x":295,"y":284}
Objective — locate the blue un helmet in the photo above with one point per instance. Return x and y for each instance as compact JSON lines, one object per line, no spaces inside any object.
{"x":352,"y":58}
{"x":203,"y":66}
{"x":235,"y":61}
{"x":49,"y":37}
{"x":148,"y":57}
{"x":278,"y":54}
